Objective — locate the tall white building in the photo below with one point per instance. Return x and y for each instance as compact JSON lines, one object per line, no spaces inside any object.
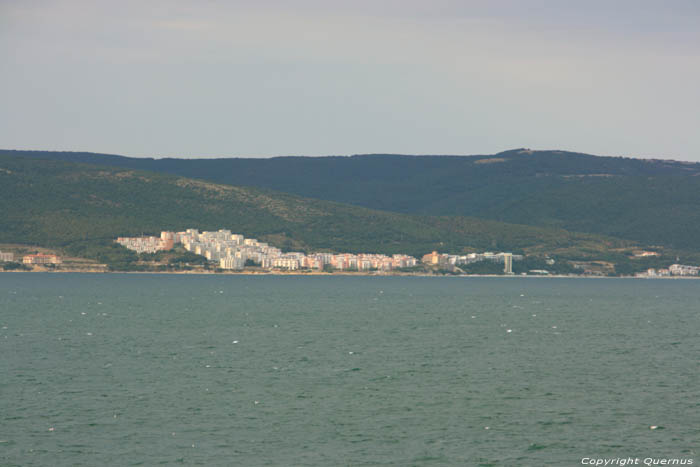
{"x":508,"y":263}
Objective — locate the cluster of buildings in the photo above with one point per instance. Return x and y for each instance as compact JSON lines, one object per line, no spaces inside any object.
{"x":148,"y":244}
{"x":31,"y":259}
{"x":231,"y":251}
{"x":683,"y":270}
{"x":359,"y":262}
{"x":444,"y":260}
{"x":673,"y":270}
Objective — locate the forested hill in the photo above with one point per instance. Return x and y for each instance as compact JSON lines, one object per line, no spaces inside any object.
{"x":651,"y":201}
{"x":82,"y":208}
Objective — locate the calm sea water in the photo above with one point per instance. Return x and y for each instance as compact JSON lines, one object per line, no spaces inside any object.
{"x":323,"y":371}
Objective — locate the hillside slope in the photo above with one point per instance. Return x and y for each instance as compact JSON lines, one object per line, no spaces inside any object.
{"x":66,"y":205}
{"x":650,"y":201}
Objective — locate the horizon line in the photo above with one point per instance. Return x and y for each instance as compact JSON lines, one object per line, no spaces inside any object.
{"x":210,"y":157}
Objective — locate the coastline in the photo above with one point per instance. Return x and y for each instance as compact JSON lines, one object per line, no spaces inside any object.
{"x":347,"y":274}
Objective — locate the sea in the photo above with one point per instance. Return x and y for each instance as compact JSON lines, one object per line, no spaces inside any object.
{"x":241,"y":370}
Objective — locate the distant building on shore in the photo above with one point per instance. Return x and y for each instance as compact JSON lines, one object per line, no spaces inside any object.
{"x":683,"y":270}
{"x":651,"y":272}
{"x":8,"y":257}
{"x":41,"y":259}
{"x":232,"y":262}
{"x":165,"y":242}
{"x":508,"y":263}
{"x":435,"y":258}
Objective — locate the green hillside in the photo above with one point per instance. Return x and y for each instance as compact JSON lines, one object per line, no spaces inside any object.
{"x":650,"y":201}
{"x":82,"y":208}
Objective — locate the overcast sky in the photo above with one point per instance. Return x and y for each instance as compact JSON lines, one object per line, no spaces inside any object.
{"x":321,"y":77}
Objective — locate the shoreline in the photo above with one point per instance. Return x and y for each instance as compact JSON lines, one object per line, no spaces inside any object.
{"x":349,"y":274}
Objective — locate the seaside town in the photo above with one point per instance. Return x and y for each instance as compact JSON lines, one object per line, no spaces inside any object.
{"x":229,"y":251}
{"x":232,"y":251}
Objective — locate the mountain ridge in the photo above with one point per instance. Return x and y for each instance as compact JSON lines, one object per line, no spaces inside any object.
{"x":650,"y":201}
{"x":82,"y":208}
{"x":65,"y":155}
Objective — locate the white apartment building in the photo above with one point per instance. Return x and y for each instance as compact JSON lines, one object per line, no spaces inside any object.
{"x":231,"y":263}
{"x":7,"y":257}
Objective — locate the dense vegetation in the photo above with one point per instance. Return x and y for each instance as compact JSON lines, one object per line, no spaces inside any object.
{"x":12,"y":266}
{"x":81,"y":209}
{"x":649,"y":201}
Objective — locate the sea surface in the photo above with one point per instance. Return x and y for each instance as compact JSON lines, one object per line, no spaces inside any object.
{"x":131,"y":369}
